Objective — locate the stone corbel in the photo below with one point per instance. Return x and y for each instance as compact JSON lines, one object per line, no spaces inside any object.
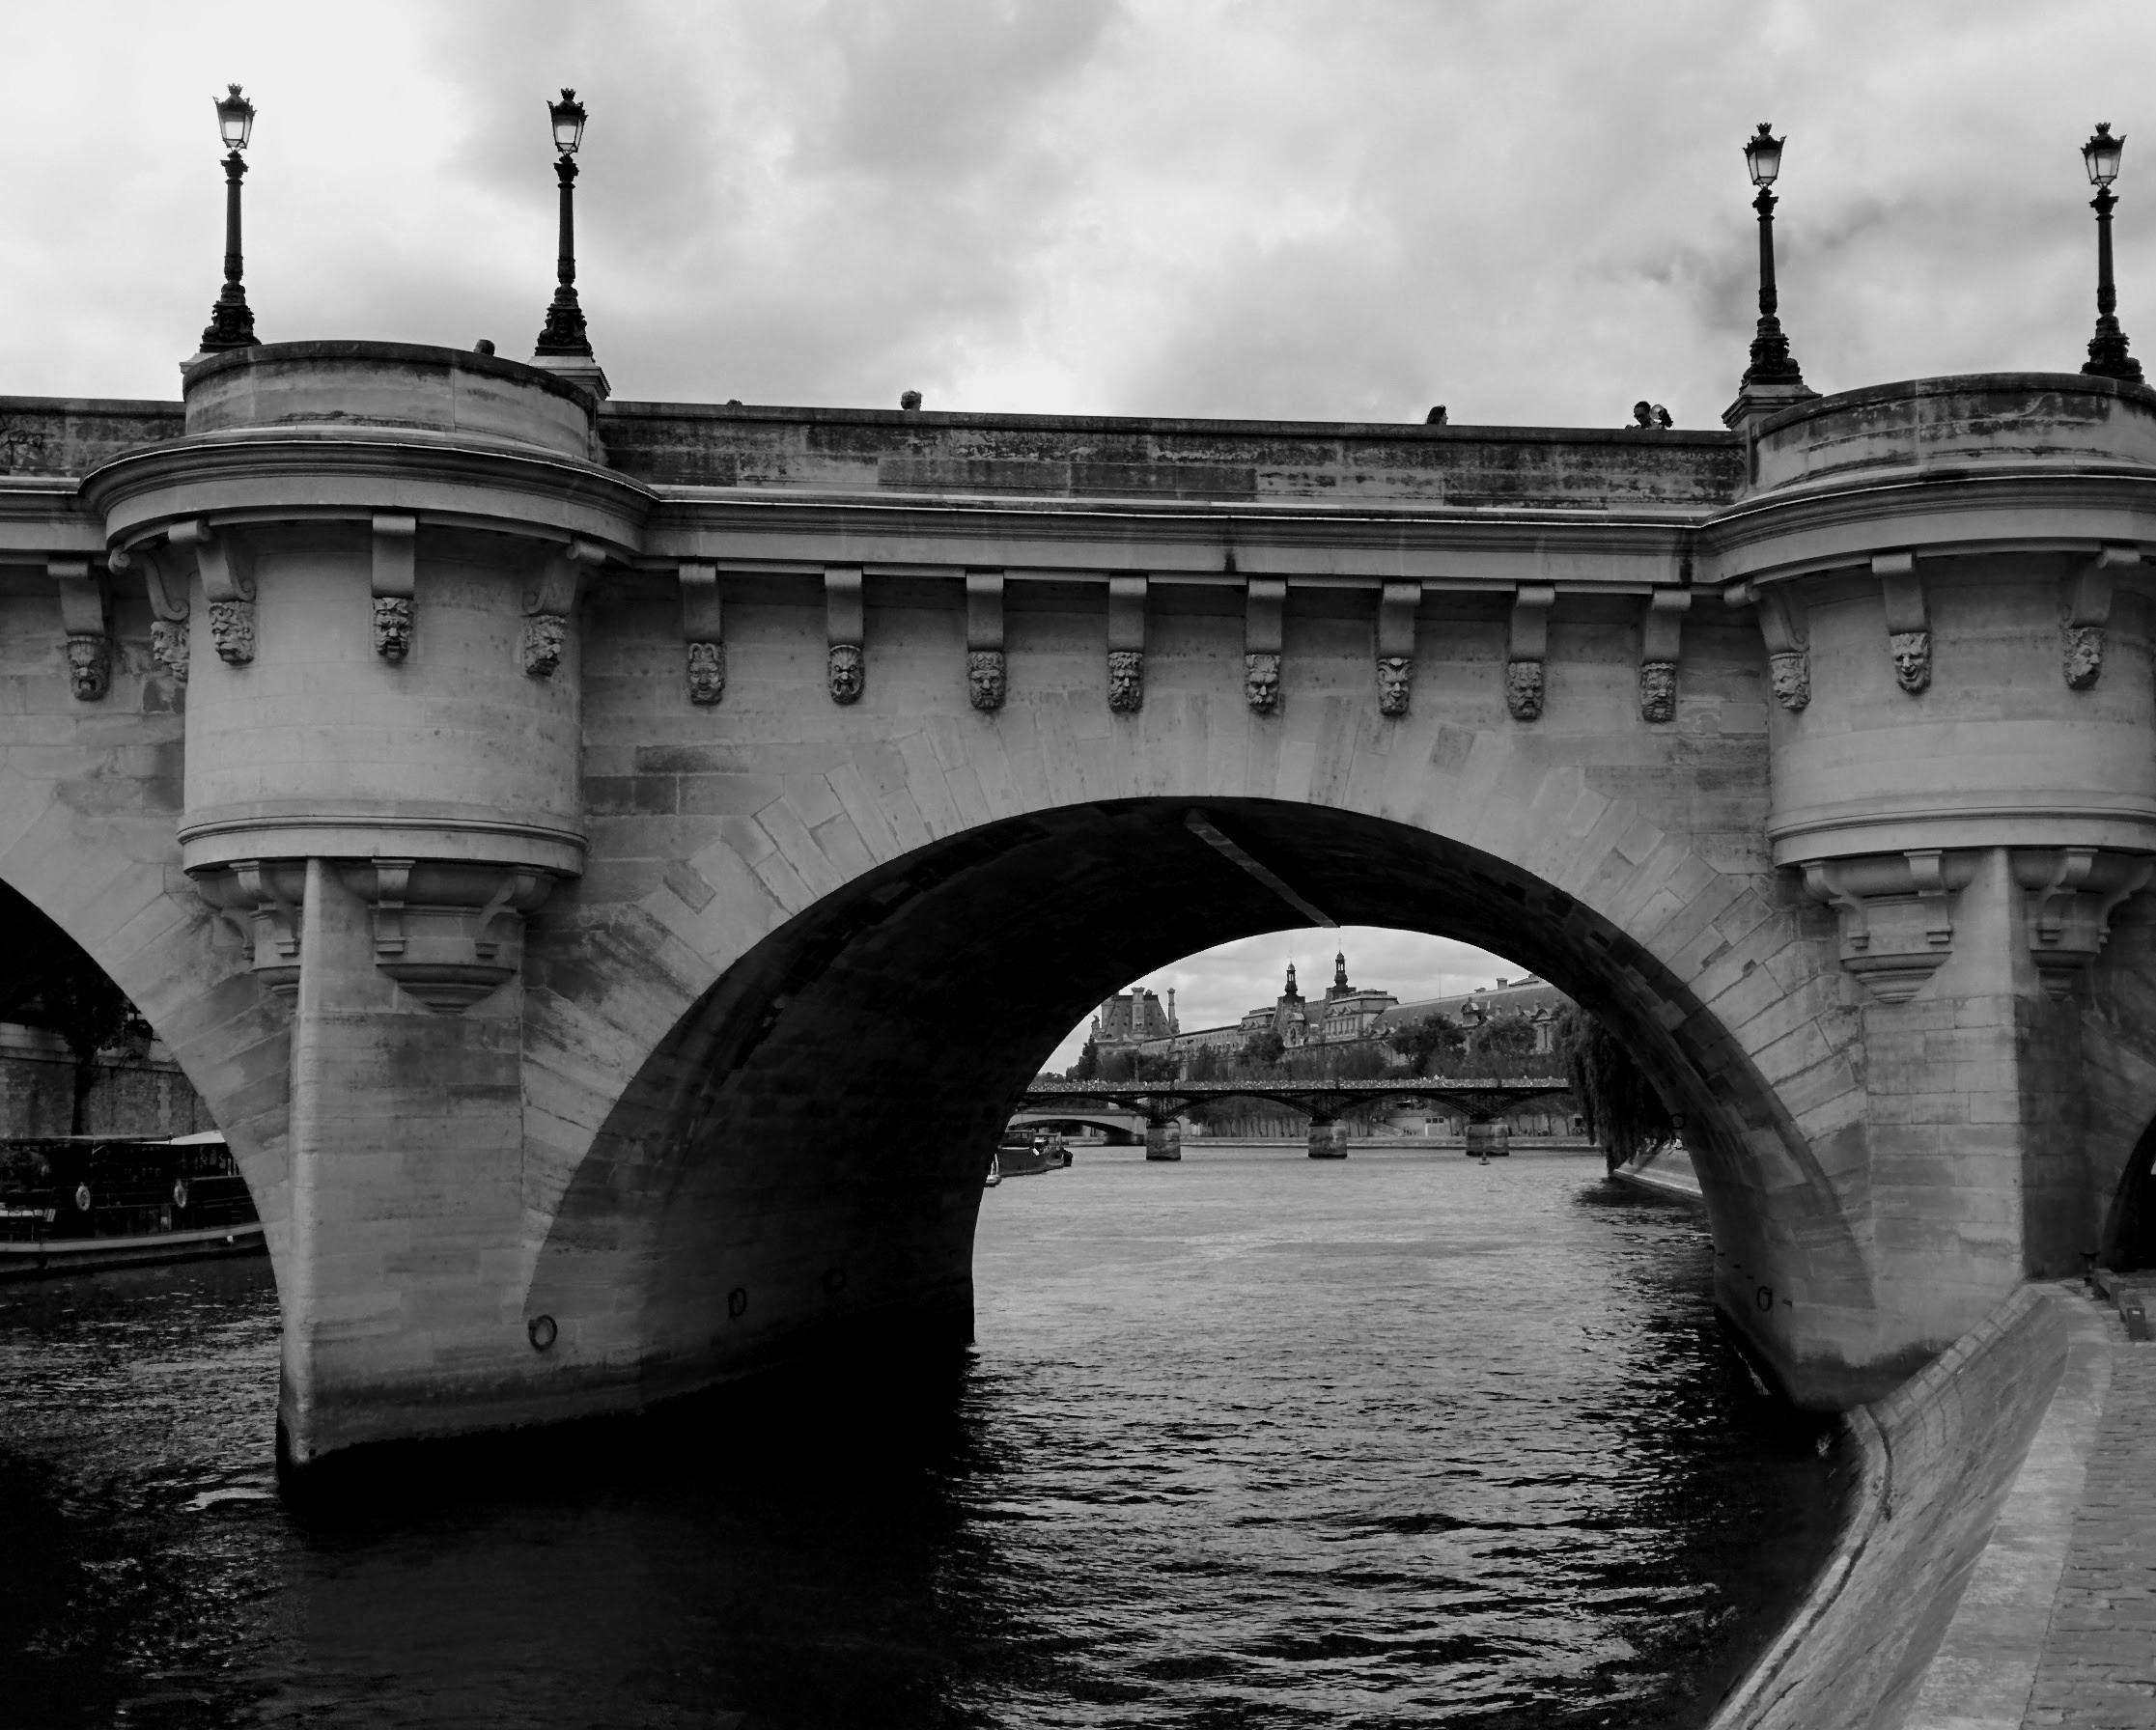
{"x":260,"y":898}
{"x":704,"y":631}
{"x":1264,"y":599}
{"x":1908,"y":620}
{"x":2088,"y":610}
{"x":448,"y":933}
{"x":227,"y":585}
{"x":551,"y":601}
{"x":1897,"y":924}
{"x":987,"y":673}
{"x":82,"y":616}
{"x":166,"y":585}
{"x":1397,"y":609}
{"x":395,"y":581}
{"x":1659,"y":637}
{"x":1126,"y":644}
{"x":1787,"y":635}
{"x":1526,"y":646}
{"x":844,"y":634}
{"x":2070,"y":894}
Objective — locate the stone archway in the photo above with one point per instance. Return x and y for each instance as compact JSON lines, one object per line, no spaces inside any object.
{"x":799,"y":1158}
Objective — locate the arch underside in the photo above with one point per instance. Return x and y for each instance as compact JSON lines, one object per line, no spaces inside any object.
{"x":804,"y":1153}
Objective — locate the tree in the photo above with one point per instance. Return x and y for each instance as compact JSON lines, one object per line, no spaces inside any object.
{"x":1154,"y":1066}
{"x":1262,"y":1050}
{"x":87,"y":1011}
{"x":1088,"y":1066}
{"x":1433,"y":1036}
{"x":1624,"y":1111}
{"x":1205,"y":1065}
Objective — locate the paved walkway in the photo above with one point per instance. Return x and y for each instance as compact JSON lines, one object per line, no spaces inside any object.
{"x":2098,"y":1668}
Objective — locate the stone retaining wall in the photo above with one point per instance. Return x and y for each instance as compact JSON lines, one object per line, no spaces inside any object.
{"x":1936,"y":1461}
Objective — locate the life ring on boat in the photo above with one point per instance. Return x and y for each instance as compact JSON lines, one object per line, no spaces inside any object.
{"x":82,"y":1198}
{"x":179,"y":1192}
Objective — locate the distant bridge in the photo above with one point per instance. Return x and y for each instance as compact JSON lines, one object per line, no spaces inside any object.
{"x":1479,"y":1101}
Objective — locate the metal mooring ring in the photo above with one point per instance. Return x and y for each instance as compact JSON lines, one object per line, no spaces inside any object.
{"x":542,"y":1331}
{"x":737,"y":1302}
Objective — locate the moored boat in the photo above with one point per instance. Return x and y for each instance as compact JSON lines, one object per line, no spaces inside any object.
{"x":77,"y":1203}
{"x":1023,"y":1153}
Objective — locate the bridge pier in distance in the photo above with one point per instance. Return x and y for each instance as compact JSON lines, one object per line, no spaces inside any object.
{"x":1492,"y":1140}
{"x":1329,"y":1138}
{"x":1164,"y":1138}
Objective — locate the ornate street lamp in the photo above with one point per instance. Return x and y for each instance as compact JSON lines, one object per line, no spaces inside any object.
{"x":232,"y":325}
{"x":563,"y":333}
{"x":1770,"y":360}
{"x":2106,"y":349}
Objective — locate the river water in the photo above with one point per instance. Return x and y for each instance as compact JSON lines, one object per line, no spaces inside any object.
{"x":1249,"y":1441}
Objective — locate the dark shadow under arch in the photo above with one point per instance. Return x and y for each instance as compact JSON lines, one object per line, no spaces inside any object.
{"x":2130,"y":1236}
{"x":811,"y":1135}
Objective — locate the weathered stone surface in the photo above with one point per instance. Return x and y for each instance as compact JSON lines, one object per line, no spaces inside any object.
{"x":765,"y":917}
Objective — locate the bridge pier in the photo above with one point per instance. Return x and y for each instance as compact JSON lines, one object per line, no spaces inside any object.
{"x":1164,"y":1138}
{"x":1487,"y":1137}
{"x":1328,"y":1137}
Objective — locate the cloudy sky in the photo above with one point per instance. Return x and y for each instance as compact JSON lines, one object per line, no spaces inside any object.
{"x":1530,"y":210}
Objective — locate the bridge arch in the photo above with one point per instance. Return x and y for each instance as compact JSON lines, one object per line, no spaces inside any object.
{"x":801,"y":1152}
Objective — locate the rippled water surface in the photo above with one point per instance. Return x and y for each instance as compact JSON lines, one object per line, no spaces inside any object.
{"x":1247,"y":1440}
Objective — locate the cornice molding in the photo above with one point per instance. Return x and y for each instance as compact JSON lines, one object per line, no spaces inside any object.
{"x":269,"y":476}
{"x":2000,"y":511}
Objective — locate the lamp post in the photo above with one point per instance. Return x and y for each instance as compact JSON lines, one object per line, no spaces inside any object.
{"x":1770,"y":360}
{"x":2106,"y":349}
{"x":563,"y":333}
{"x":232,"y":323}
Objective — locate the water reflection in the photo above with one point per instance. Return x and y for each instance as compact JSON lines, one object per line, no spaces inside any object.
{"x":1249,"y":1441}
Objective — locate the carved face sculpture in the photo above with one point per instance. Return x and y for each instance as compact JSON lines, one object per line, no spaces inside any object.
{"x":232,"y":628}
{"x":168,"y":645}
{"x":848,"y":672}
{"x":88,"y":665}
{"x":545,"y":636}
{"x":2085,"y":655}
{"x":707,"y":673}
{"x":1395,"y":673}
{"x":1126,"y":680}
{"x":1790,"y":674}
{"x":1522,"y":689}
{"x":1912,"y":653}
{"x":392,"y":627}
{"x":1658,"y":690}
{"x":1261,"y":681}
{"x":984,"y":678}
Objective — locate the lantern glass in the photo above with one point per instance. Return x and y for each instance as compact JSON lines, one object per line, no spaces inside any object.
{"x":235,"y":119}
{"x":569,"y":123}
{"x":2101,"y":154}
{"x":1763,"y":156}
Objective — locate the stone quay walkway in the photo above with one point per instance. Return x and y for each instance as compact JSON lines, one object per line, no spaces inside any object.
{"x":2098,"y":1668}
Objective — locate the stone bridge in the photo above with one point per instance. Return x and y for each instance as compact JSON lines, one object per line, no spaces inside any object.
{"x":1479,"y":1100}
{"x":612,"y":869}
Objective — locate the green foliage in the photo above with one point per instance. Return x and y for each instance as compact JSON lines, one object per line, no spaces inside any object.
{"x":1262,"y":1050}
{"x":1088,"y":1066}
{"x":1624,"y":1112}
{"x":1434,"y":1036}
{"x":1503,"y":1036}
{"x":1207,"y":1064}
{"x":86,"y":1010}
{"x":1137,"y":1066}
